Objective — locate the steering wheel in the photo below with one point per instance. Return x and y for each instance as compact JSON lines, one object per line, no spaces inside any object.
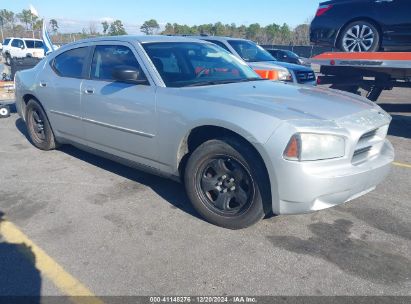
{"x":203,"y":71}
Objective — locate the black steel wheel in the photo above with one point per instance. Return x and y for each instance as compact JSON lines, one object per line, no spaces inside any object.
{"x":227,"y":183}
{"x":38,"y":127}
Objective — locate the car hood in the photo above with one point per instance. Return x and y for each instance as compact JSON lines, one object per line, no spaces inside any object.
{"x":285,"y":101}
{"x":271,"y":64}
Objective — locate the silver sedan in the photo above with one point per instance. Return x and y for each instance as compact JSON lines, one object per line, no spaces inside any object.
{"x":188,"y":110}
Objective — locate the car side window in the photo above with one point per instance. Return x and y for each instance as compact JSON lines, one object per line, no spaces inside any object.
{"x":276,"y":54}
{"x":17,"y":43}
{"x":70,"y":63}
{"x":107,"y":57}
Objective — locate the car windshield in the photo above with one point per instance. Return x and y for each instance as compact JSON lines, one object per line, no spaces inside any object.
{"x":291,"y":54}
{"x":34,"y":44}
{"x":6,"y":41}
{"x":183,"y":64}
{"x":250,"y":51}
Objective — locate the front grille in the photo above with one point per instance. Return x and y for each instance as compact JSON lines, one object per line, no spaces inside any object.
{"x":303,"y":77}
{"x":362,"y":151}
{"x":369,"y":145}
{"x":368,"y":135}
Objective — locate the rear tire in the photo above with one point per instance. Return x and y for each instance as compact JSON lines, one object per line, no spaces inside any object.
{"x":227,"y":184}
{"x":38,"y":127}
{"x":360,"y":36}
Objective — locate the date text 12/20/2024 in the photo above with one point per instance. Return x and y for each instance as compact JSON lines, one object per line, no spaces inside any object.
{"x":203,"y":300}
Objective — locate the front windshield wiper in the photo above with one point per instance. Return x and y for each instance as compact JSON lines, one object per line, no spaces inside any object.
{"x":202,"y":83}
{"x":257,"y":79}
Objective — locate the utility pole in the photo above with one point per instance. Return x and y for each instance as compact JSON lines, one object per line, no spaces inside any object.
{"x":32,"y":26}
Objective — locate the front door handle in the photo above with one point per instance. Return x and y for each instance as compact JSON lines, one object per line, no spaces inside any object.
{"x":89,"y":91}
{"x":43,"y":84}
{"x":383,"y":1}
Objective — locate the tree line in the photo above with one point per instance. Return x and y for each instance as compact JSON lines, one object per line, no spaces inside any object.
{"x":25,"y":24}
{"x":270,"y":34}
{"x":22,"y":24}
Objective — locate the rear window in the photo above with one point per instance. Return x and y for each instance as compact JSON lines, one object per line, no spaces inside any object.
{"x":6,"y":41}
{"x":70,"y":63}
{"x":34,"y":44}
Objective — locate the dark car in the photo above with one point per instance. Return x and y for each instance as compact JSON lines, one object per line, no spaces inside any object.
{"x":363,"y":25}
{"x":287,"y":56}
{"x":259,"y":59}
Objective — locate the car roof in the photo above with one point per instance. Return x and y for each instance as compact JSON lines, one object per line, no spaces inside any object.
{"x":22,"y":38}
{"x":217,"y":38}
{"x":139,"y":39}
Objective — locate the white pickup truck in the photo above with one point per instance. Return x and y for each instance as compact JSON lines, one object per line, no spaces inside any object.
{"x":22,"y":47}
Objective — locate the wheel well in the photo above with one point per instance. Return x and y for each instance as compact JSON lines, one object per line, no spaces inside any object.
{"x":370,"y":20}
{"x":26,"y":99}
{"x":202,"y":134}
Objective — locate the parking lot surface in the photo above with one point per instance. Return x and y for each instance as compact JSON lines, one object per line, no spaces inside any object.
{"x":119,"y":231}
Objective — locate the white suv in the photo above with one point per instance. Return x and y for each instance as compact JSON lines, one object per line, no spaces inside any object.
{"x":22,"y":47}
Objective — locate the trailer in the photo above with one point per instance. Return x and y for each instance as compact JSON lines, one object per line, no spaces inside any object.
{"x":372,"y":72}
{"x":6,"y":98}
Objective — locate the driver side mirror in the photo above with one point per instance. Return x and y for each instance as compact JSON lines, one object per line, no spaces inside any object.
{"x":22,"y":47}
{"x":128,"y":74}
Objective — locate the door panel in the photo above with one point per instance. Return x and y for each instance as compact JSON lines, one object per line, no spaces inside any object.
{"x":61,"y":83}
{"x":18,"y":49}
{"x":119,"y":117}
{"x":395,"y":16}
{"x":66,"y":107}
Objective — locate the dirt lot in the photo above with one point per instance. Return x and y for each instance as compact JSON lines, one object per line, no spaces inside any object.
{"x":119,"y":231}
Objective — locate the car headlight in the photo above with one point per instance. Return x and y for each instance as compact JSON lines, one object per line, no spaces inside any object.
{"x":310,"y":147}
{"x":285,"y":75}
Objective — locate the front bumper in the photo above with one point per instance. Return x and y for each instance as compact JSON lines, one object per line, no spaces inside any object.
{"x":308,"y":189}
{"x":303,"y":187}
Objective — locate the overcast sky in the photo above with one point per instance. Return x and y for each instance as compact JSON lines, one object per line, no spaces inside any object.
{"x":73,"y":15}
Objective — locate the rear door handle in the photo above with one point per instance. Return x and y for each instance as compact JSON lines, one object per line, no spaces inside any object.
{"x":89,"y":91}
{"x":43,"y":84}
{"x":383,"y":1}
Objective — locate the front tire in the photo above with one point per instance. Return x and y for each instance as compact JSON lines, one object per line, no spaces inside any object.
{"x":38,"y":127}
{"x":226,"y":183}
{"x":359,"y":36}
